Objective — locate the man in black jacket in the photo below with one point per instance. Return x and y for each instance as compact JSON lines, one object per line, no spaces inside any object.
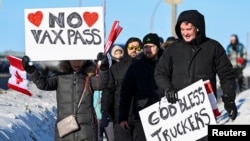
{"x":193,"y":57}
{"x":111,"y":95}
{"x":138,"y":88}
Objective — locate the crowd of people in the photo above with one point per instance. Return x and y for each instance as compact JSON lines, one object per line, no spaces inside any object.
{"x":142,"y":72}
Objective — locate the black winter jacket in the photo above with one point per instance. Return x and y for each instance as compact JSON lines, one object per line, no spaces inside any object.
{"x":139,"y":85}
{"x":111,"y":94}
{"x":69,"y":87}
{"x":184,"y":63}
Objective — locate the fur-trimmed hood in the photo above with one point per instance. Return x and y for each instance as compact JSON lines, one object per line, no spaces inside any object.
{"x":88,"y":68}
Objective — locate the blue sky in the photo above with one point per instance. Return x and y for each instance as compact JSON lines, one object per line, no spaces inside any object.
{"x":137,"y":17}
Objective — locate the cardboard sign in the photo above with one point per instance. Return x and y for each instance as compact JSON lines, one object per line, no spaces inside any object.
{"x":188,"y":119}
{"x":73,"y":33}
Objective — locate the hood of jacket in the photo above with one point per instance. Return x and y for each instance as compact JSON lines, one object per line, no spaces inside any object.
{"x":197,"y":19}
{"x":115,"y":48}
{"x":88,"y":67}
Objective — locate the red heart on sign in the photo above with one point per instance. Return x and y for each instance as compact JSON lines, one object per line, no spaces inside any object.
{"x":36,"y":18}
{"x":90,"y":18}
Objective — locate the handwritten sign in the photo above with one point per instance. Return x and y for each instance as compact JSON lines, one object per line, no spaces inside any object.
{"x":188,"y":119}
{"x":64,"y":33}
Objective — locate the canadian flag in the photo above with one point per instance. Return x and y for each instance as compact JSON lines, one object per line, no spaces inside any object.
{"x":18,"y":80}
{"x":212,"y":98}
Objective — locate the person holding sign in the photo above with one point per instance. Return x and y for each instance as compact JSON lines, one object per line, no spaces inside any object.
{"x":138,"y":87}
{"x":111,"y":94}
{"x":74,"y":86}
{"x":193,"y":57}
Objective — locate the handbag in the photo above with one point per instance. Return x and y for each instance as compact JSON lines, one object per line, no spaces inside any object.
{"x":69,"y":124}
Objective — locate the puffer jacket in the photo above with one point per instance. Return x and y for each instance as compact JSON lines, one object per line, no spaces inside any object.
{"x":69,"y":87}
{"x":184,"y":63}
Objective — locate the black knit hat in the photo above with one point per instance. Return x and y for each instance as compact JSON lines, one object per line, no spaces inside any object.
{"x":151,"y":38}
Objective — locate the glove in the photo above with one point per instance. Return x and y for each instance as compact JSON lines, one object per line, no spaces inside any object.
{"x":171,"y":95}
{"x":104,"y":61}
{"x":231,"y":108}
{"x":105,"y":119}
{"x":27,"y":67}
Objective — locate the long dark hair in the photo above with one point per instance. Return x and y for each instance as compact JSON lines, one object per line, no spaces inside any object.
{"x":131,"y":39}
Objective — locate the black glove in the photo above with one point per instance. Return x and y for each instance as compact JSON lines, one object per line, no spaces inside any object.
{"x":171,"y":95}
{"x":104,"y":61}
{"x":231,"y":108}
{"x":105,"y":119}
{"x":27,"y":67}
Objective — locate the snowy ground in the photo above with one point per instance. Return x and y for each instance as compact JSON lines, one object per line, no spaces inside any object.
{"x":24,"y":118}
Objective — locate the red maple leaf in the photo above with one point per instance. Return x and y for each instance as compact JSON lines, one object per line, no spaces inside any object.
{"x":19,"y":79}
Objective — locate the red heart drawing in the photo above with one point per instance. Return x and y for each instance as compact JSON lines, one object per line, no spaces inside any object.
{"x":90,"y":18}
{"x":36,"y":18}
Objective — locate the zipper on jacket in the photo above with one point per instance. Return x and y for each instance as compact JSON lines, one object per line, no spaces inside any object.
{"x":74,"y":93}
{"x":74,"y":101}
{"x":193,"y":50}
{"x":194,"y":53}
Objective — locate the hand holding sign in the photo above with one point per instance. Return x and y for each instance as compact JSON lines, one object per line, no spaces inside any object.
{"x":26,"y":65}
{"x":171,"y":95}
{"x":186,"y":120}
{"x":104,"y":61}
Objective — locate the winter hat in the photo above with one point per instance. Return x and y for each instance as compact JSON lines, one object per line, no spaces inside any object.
{"x":151,"y":38}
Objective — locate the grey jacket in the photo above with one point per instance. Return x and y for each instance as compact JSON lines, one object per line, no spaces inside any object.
{"x":69,"y":87}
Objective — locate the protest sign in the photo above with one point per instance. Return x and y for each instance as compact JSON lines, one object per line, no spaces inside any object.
{"x":188,"y":119}
{"x":64,"y":33}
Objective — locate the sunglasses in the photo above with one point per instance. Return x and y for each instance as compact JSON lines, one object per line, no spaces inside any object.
{"x":137,"y":48}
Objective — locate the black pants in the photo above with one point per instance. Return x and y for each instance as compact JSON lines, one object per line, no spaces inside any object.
{"x":240,"y":79}
{"x":133,"y":133}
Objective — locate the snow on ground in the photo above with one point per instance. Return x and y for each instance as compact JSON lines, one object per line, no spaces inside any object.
{"x":242,"y":103}
{"x":24,"y":118}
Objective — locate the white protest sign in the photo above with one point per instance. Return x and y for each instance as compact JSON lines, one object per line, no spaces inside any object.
{"x":187,"y":120}
{"x":64,"y":33}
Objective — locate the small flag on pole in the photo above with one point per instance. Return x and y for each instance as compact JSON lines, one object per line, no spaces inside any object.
{"x":18,"y":80}
{"x":114,"y":32}
{"x":212,"y":98}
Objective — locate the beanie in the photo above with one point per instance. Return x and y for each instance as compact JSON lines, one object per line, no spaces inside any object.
{"x":151,"y":38}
